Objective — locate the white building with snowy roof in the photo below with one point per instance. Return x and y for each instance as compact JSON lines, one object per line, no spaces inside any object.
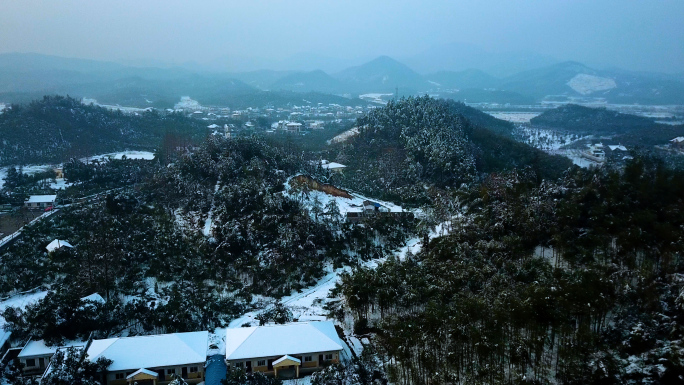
{"x":40,"y":201}
{"x":283,"y":350}
{"x":57,"y":244}
{"x":36,"y":355}
{"x":155,"y":359}
{"x":332,"y":166}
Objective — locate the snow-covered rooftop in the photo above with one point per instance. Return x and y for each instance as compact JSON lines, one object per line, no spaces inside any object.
{"x":345,"y":205}
{"x":678,"y":139}
{"x":19,"y":301}
{"x":280,"y":340}
{"x":42,"y":198}
{"x":56,"y":244}
{"x":143,"y":371}
{"x":151,"y":351}
{"x":286,"y":357}
{"x":95,"y":297}
{"x":333,"y":166}
{"x":39,"y":348}
{"x":617,"y":147}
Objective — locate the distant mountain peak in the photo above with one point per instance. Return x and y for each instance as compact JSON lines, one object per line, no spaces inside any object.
{"x":382,"y":74}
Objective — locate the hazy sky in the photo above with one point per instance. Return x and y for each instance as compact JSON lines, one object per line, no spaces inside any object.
{"x":641,"y":35}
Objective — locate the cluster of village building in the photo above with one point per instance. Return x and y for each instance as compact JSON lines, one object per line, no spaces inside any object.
{"x":291,"y":119}
{"x":598,"y":152}
{"x":284,"y":351}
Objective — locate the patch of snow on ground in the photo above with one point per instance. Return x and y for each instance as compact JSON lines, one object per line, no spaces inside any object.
{"x":515,"y":117}
{"x":670,"y":122}
{"x":414,"y":245}
{"x":344,"y":204}
{"x":586,"y":84}
{"x":306,"y":305}
{"x":545,"y":140}
{"x":208,"y":223}
{"x":344,"y":136}
{"x":217,"y":342}
{"x":298,"y":381}
{"x":577,"y":158}
{"x":554,"y":143}
{"x":146,"y":155}
{"x":60,"y":184}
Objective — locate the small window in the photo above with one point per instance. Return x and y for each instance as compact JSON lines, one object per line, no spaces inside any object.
{"x":119,"y":376}
{"x":193,"y":369}
{"x":31,"y":362}
{"x":308,"y":358}
{"x":261,"y":363}
{"x":328,"y":356}
{"x":171,"y":371}
{"x":238,"y":364}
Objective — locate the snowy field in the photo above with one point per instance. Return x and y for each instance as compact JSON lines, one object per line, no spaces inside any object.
{"x":344,"y":136}
{"x":553,"y":142}
{"x":146,"y":155}
{"x":60,"y":184}
{"x":586,"y":84}
{"x":111,"y":107}
{"x":29,"y":170}
{"x":515,"y":117}
{"x":376,"y":98}
{"x":546,"y":140}
{"x":577,"y":158}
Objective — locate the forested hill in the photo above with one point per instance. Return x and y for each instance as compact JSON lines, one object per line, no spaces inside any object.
{"x":186,"y":243}
{"x":482,"y":119}
{"x":418,"y":142}
{"x":57,"y":128}
{"x":598,"y":302}
{"x":630,"y":129}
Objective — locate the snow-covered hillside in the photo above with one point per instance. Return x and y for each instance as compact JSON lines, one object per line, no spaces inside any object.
{"x":587,"y":84}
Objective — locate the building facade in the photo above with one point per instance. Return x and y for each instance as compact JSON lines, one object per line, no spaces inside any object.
{"x":284,"y":351}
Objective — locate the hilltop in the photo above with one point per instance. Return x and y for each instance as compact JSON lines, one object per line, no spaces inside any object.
{"x":56,"y":128}
{"x":625,"y":128}
{"x":418,"y":142}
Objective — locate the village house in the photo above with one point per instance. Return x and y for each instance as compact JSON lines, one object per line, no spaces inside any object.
{"x":595,"y":152}
{"x":284,"y":351}
{"x":40,"y":202}
{"x":371,"y":209}
{"x":293,"y":127}
{"x":57,"y":244}
{"x":332,"y":166}
{"x":677,"y":143}
{"x":316,"y":125}
{"x":153,"y":359}
{"x":36,"y":355}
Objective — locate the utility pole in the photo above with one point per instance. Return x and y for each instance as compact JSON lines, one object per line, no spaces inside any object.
{"x":396,"y":93}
